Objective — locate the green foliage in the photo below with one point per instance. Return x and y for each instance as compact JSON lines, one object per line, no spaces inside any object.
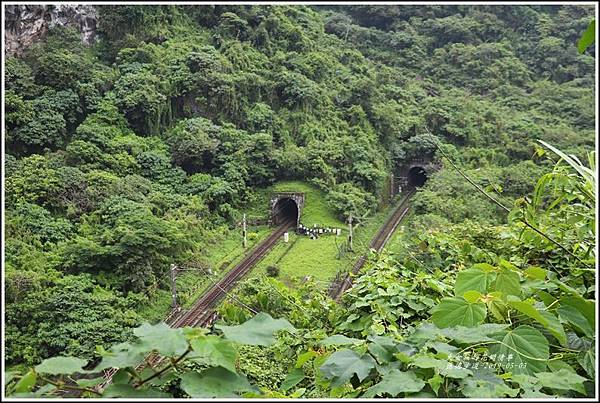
{"x":458,"y":312}
{"x":531,"y":348}
{"x":64,"y":316}
{"x":189,"y":344}
{"x":394,"y":383}
{"x":348,"y":200}
{"x":344,"y":364}
{"x":389,"y":298}
{"x":216,"y":351}
{"x":587,"y":38}
{"x":138,"y":96}
{"x":193,"y":144}
{"x":214,"y":382}
{"x":272,"y":271}
{"x":61,"y":365}
{"x":257,"y":331}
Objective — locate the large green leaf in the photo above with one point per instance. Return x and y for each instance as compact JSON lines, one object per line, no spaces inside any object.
{"x":508,"y":283}
{"x":456,"y":372}
{"x":292,"y":379}
{"x":471,"y":335}
{"x":428,"y":361}
{"x":339,"y":340}
{"x":545,"y":318}
{"x":343,"y":364}
{"x":305,"y":357}
{"x":214,"y":382}
{"x":215,"y":351}
{"x":527,"y":347}
{"x":588,"y":37}
{"x":457,"y":311}
{"x":585,"y":306}
{"x":123,"y":355}
{"x":122,"y":376}
{"x":484,"y":388}
{"x":258,"y":331}
{"x":427,"y":332}
{"x":88,"y":383}
{"x":571,"y":315}
{"x":435,"y":382}
{"x":61,"y":365}
{"x":26,"y":383}
{"x":562,"y":379}
{"x":587,"y":360}
{"x":161,"y":337}
{"x":472,"y":279}
{"x":535,"y":273}
{"x":396,"y":382}
{"x":126,"y":390}
{"x":382,"y":348}
{"x":443,"y":348}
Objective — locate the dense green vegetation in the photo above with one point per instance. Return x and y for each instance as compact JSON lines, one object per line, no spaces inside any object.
{"x":495,"y":311}
{"x":146,"y":148}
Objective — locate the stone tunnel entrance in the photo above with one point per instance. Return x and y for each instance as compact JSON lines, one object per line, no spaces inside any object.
{"x":417,"y":176}
{"x":412,"y":174}
{"x":286,"y":206}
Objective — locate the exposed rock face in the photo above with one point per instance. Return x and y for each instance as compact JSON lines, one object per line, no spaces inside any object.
{"x":26,"y":24}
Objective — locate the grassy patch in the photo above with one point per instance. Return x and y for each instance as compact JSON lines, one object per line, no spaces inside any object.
{"x":302,"y":256}
{"x":324,"y":257}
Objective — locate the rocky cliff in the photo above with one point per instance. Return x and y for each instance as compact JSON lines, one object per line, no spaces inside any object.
{"x":26,"y":24}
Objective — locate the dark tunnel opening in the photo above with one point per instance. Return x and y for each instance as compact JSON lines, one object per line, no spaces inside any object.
{"x":417,"y":177}
{"x":285,"y":209}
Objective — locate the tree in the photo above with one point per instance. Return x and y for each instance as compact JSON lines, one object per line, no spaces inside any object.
{"x":193,"y":144}
{"x":347,"y":199}
{"x":272,"y":271}
{"x":64,"y":317}
{"x":139,"y":96}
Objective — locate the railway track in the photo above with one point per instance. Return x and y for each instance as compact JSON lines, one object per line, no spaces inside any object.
{"x":377,"y":243}
{"x":202,"y":312}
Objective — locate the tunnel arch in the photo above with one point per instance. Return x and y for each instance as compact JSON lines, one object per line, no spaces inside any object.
{"x":280,"y":207}
{"x":285,"y":208}
{"x":417,"y":176}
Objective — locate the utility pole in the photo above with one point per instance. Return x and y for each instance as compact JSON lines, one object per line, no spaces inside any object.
{"x":350,"y":236}
{"x":392,"y":186}
{"x":244,"y":232}
{"x":173,"y":289}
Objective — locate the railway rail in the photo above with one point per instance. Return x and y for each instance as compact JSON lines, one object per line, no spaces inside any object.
{"x":377,"y":243}
{"x":201,"y":313}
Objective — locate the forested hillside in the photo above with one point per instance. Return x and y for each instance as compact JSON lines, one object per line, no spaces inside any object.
{"x":147,"y":147}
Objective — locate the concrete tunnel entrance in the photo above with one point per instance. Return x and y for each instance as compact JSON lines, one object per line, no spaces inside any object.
{"x":285,"y":209}
{"x":417,"y":176}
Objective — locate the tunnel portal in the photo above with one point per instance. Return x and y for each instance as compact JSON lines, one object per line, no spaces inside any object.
{"x":417,"y":176}
{"x":286,"y":206}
